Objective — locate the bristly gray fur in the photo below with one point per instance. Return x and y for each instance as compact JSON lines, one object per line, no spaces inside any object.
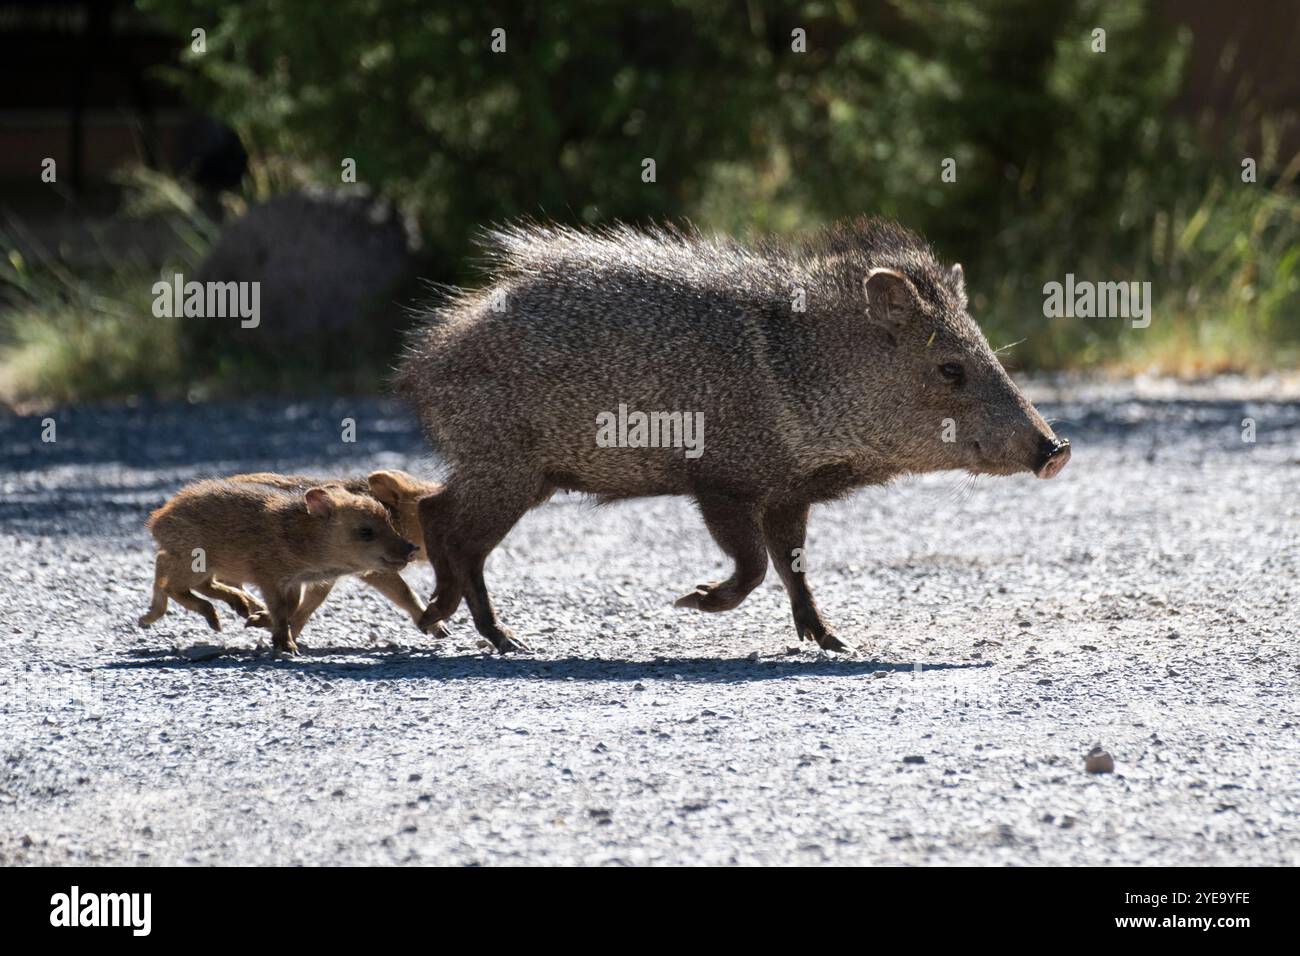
{"x":811,"y":367}
{"x":837,"y":255}
{"x":606,"y":297}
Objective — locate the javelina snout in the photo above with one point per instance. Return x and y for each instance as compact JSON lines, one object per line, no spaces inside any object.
{"x":1053,"y":454}
{"x":1033,"y":446}
{"x":1046,"y":457}
{"x":398,"y":553}
{"x":1022,"y":442}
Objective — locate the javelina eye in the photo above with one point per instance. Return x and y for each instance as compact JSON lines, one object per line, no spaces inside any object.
{"x":952,"y":372}
{"x":366,"y":534}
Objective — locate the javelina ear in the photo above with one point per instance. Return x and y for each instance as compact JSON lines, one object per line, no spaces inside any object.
{"x":958,"y":277}
{"x":319,"y":502}
{"x":890,"y":298}
{"x":389,"y":486}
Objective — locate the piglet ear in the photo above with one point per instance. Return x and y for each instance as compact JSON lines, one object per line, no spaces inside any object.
{"x":385,"y":486}
{"x":319,"y":503}
{"x":392,"y":486}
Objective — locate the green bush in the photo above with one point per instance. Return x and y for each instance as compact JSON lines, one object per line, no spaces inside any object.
{"x":73,"y":335}
{"x":1067,"y":160}
{"x":557,"y":126}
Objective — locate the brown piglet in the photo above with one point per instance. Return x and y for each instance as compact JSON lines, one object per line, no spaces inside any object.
{"x":400,"y":494}
{"x":217,"y":534}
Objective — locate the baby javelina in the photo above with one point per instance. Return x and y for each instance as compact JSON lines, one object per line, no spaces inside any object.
{"x":215,"y":535}
{"x":400,"y":494}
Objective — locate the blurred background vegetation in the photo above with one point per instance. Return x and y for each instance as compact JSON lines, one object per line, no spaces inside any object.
{"x":1067,"y":160}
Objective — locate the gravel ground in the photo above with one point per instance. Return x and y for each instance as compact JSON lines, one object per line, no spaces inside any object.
{"x":1146,"y":601}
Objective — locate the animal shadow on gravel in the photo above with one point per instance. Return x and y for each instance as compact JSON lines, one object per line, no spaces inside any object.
{"x":424,"y":666}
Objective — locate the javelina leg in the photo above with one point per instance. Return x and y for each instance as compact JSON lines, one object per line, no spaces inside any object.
{"x":280,"y":605}
{"x":312,"y":597}
{"x":157,"y":609}
{"x":240,"y":601}
{"x":784,"y":529}
{"x":180,"y":578}
{"x":734,"y":524}
{"x":436,"y":515}
{"x":480,"y":606}
{"x":392,"y":586}
{"x":159,"y":606}
{"x":486,"y":508}
{"x":196,"y":604}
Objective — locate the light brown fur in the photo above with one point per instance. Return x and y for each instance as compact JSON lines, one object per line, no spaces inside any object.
{"x":279,"y":539}
{"x":400,"y":493}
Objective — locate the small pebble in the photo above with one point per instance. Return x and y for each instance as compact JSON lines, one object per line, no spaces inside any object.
{"x":1098,"y":761}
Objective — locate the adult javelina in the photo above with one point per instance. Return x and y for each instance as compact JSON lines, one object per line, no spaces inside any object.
{"x":800,"y":406}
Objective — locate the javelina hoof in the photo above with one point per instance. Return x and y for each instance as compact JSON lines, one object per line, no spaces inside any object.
{"x":829,"y":642}
{"x":504,"y":640}
{"x":289,"y":647}
{"x":210,"y":615}
{"x":429,"y":620}
{"x":816,"y":630}
{"x":432,"y":628}
{"x":258,"y":619}
{"x":714,"y":596}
